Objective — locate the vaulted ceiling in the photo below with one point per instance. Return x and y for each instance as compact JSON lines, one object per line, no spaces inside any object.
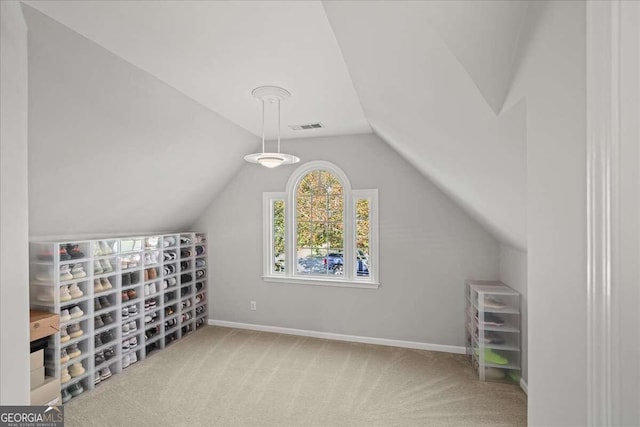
{"x":429,"y":77}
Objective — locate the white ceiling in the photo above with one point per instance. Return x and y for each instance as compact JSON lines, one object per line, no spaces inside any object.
{"x":217,"y":52}
{"x":430,"y":77}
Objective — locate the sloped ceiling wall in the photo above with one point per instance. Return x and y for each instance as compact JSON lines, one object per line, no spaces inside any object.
{"x":421,"y":100}
{"x":111,"y":148}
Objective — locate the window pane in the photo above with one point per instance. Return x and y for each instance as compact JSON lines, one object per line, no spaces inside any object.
{"x":303,"y":211}
{"x":278,"y":236}
{"x":363,"y":237}
{"x":320,"y":224}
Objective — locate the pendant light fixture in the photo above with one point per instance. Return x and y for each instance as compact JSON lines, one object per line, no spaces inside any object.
{"x":271,"y":94}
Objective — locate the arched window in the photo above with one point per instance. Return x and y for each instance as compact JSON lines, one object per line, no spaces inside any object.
{"x":320,"y":230}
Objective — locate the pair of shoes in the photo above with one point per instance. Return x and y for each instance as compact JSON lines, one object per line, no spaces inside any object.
{"x":199,"y":298}
{"x":170,"y":323}
{"x":99,"y":358}
{"x":169,"y":269}
{"x":74,"y":251}
{"x":73,"y":351}
{"x":126,"y":361}
{"x":105,"y":373}
{"x":101,"y":303}
{"x":133,"y":326}
{"x":74,"y":330}
{"x":186,"y":303}
{"x":106,"y":337}
{"x":186,"y":253}
{"x":169,"y":256}
{"x":125,"y":329}
{"x":96,"y":378}
{"x":102,"y":266}
{"x":185,"y":278}
{"x":168,"y":241}
{"x":125,"y":313}
{"x":199,"y":285}
{"x":76,"y":370}
{"x":201,"y":263}
{"x":103,"y":284}
{"x":201,"y":238}
{"x":102,"y":249}
{"x":109,"y":353}
{"x":200,"y":274}
{"x":200,"y":309}
{"x":133,"y":310}
{"x":106,"y":318}
{"x":168,"y":311}
{"x":151,"y":257}
{"x":185,"y":265}
{"x":133,"y":357}
{"x":170,"y":281}
{"x":128,"y":295}
{"x":200,"y":250}
{"x":186,"y":317}
{"x":73,"y":313}
{"x":151,"y":273}
{"x":64,"y":336}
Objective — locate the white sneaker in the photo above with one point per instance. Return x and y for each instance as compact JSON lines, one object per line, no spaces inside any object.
{"x":133,"y":357}
{"x":74,"y":291}
{"x":106,"y":266}
{"x":97,"y":268}
{"x":77,"y":272}
{"x":126,"y":361}
{"x":64,"y":293}
{"x":76,"y":312}
{"x":64,"y":315}
{"x":152,"y":288}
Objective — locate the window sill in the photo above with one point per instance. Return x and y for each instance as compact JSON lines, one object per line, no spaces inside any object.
{"x":322,"y":282}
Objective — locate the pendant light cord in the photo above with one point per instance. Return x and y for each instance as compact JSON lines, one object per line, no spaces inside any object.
{"x":263,"y":125}
{"x":278,"y":125}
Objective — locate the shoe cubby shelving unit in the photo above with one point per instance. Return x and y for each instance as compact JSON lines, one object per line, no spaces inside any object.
{"x":492,"y":330}
{"x":134,"y":294}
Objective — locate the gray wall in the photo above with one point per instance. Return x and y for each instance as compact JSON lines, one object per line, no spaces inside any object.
{"x":135,"y":151}
{"x":513,"y":273}
{"x":14,"y":220}
{"x":552,"y":76}
{"x":428,"y":247}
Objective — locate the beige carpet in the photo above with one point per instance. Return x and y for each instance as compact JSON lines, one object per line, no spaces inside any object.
{"x":230,"y":377}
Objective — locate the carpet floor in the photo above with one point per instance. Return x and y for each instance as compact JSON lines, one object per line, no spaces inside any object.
{"x":230,"y":377}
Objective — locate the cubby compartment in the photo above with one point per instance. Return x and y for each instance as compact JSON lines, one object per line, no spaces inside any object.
{"x":105,"y":248}
{"x":170,"y":338}
{"x":152,"y":257}
{"x":152,"y":242}
{"x":185,"y":266}
{"x":151,"y":274}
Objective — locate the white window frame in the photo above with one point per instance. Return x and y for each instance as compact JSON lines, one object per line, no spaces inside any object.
{"x":350,"y":278}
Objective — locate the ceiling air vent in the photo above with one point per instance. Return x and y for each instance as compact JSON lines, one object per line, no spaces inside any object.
{"x":307,"y":126}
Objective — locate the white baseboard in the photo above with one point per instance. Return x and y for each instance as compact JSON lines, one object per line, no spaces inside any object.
{"x":340,"y":337}
{"x":524,"y":386}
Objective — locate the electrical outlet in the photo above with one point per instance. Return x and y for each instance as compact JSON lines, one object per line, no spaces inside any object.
{"x":252,"y":305}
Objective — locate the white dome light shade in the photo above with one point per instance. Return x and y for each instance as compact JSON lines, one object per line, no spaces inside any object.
{"x":271,"y":160}
{"x":271,"y":94}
